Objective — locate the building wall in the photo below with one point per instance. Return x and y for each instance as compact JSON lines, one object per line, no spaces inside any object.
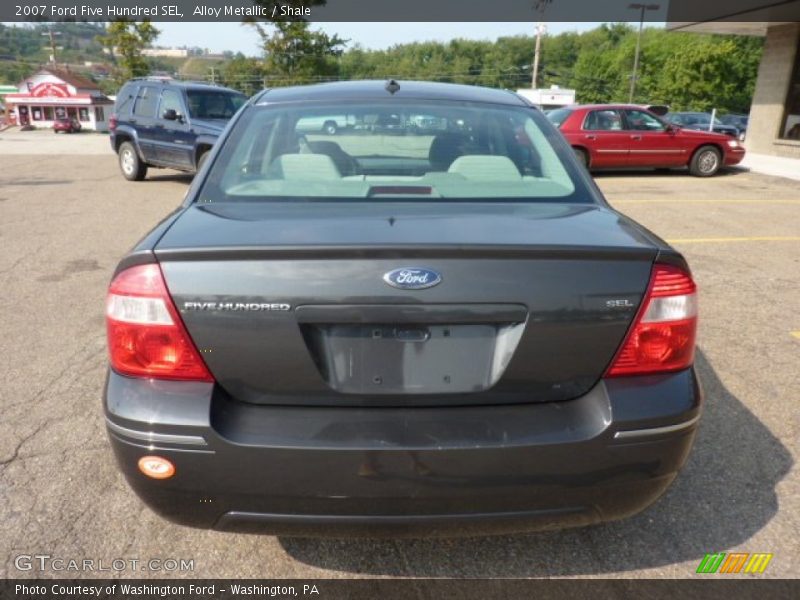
{"x":772,"y":85}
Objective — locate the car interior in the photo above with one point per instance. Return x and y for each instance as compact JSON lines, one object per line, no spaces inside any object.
{"x":489,"y":153}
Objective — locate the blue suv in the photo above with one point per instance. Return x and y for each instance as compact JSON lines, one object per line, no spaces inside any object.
{"x":165,"y":123}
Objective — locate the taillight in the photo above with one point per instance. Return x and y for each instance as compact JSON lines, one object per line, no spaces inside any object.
{"x":663,"y":336}
{"x":146,"y":337}
{"x":112,"y":122}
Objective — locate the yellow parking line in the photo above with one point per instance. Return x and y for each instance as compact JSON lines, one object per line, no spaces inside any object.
{"x":720,"y":240}
{"x":795,"y":334}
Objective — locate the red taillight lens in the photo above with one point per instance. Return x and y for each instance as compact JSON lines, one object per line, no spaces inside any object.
{"x":146,"y":337}
{"x":112,"y":122}
{"x":663,"y":335}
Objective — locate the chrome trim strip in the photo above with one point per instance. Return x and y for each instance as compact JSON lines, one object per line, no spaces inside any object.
{"x":158,"y":438}
{"x":632,"y":433}
{"x":156,"y":448}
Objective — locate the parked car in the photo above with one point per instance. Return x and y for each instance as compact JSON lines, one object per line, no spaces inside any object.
{"x":617,"y":136}
{"x":389,"y":123}
{"x":66,"y":125}
{"x":428,"y":123}
{"x":462,"y":336}
{"x":164,"y":123}
{"x":330,"y":124}
{"x":738,"y":121}
{"x":701,"y":122}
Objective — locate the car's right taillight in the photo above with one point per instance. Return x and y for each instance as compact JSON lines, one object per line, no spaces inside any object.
{"x":146,"y":337}
{"x":663,"y":335}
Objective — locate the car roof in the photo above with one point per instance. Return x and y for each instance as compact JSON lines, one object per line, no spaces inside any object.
{"x":181,"y":83}
{"x":605,"y":106}
{"x":373,"y":89}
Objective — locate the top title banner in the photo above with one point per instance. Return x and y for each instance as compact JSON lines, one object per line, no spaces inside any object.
{"x":401,"y":10}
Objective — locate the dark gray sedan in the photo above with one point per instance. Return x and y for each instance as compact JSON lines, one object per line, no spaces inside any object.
{"x":434,"y":332}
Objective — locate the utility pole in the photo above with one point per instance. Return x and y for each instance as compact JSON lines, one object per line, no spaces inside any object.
{"x":52,"y":35}
{"x":540,"y":7}
{"x":540,"y":29}
{"x":642,"y":8}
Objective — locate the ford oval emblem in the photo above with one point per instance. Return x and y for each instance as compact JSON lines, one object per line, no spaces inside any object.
{"x":412,"y":278}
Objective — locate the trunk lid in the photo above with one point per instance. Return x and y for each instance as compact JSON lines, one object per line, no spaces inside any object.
{"x":288,"y":303}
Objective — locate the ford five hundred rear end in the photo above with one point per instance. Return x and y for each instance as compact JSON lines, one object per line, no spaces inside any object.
{"x":431,"y":329}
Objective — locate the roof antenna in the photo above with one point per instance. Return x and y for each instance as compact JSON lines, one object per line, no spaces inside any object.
{"x":392,"y":86}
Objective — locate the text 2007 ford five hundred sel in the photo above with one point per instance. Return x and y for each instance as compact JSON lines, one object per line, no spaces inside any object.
{"x":425,"y":321}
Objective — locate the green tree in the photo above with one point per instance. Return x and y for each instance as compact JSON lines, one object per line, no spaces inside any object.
{"x":711,"y":72}
{"x":294,"y":53}
{"x":125,"y":40}
{"x":243,"y":74}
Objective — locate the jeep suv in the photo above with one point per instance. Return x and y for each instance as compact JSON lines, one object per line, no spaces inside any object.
{"x":160,"y":122}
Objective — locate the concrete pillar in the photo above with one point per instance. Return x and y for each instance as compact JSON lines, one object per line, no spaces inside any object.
{"x":772,"y":85}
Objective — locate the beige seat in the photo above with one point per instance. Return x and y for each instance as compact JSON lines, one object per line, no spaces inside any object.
{"x":308,"y":167}
{"x":485,"y":167}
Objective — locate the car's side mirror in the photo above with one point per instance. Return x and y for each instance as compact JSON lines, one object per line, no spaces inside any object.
{"x":172,"y":115}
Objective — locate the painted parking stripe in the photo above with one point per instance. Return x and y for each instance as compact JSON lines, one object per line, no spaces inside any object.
{"x":722,"y":240}
{"x":795,"y":334}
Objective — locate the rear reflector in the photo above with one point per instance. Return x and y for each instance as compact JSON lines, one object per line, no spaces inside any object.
{"x":663,"y":335}
{"x":156,"y":467}
{"x":146,"y":337}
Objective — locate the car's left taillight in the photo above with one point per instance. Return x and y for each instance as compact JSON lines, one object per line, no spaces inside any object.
{"x":112,"y":122}
{"x":146,"y":337}
{"x":662,"y":337}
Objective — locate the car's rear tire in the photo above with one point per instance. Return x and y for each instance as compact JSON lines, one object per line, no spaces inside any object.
{"x":133,"y":169}
{"x":705,"y":162}
{"x":330,"y":127}
{"x":582,"y":156}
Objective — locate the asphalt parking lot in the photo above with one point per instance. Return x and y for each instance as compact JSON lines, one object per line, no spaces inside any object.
{"x":66,"y":217}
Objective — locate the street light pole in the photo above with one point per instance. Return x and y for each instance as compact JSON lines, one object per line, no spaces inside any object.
{"x":641,"y":8}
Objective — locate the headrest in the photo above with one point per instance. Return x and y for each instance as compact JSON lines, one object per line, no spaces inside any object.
{"x":485,"y":167}
{"x":312,"y":167}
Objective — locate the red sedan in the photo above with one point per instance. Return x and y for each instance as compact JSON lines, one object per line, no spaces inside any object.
{"x":67,"y":125}
{"x":627,"y":136}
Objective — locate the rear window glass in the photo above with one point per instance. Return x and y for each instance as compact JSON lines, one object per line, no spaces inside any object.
{"x":423,"y":151}
{"x":213,"y":105}
{"x":124,"y":98}
{"x":146,"y":100}
{"x":558,"y":116}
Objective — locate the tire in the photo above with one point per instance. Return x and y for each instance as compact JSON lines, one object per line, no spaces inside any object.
{"x":705,"y":162}
{"x":582,"y":157}
{"x":330,"y":127}
{"x":133,"y":169}
{"x":201,"y":161}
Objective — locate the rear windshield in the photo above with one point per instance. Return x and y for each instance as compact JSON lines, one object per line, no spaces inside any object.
{"x":424,"y":151}
{"x":214,"y":105}
{"x":558,"y":116}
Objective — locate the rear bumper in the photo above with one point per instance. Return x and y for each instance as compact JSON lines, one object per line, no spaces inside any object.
{"x":418,"y":472}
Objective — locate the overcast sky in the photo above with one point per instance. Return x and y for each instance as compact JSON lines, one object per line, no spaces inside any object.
{"x":240,"y":38}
